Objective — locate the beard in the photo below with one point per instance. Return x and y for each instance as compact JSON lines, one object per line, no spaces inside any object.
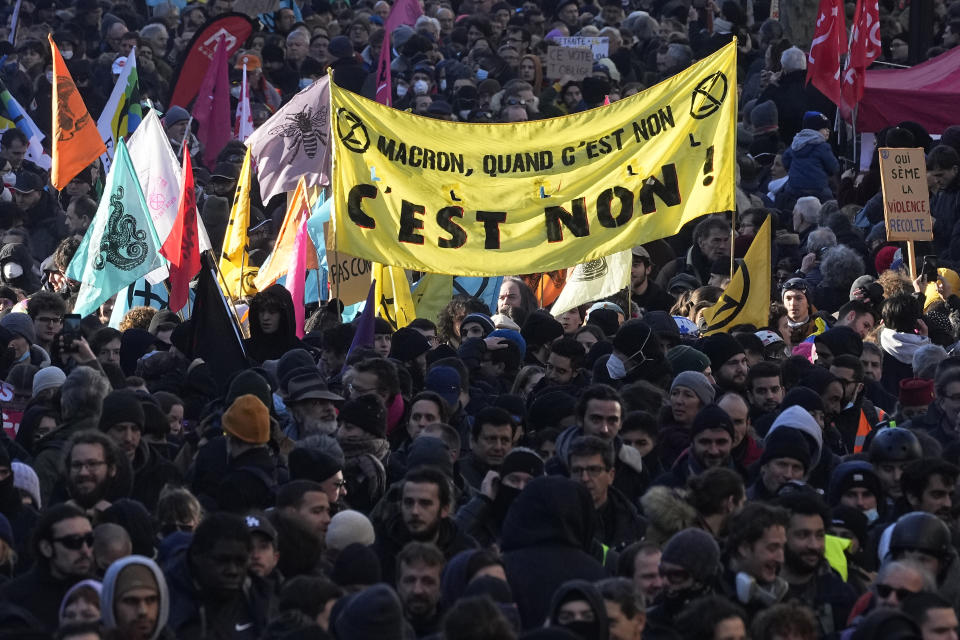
{"x":799,"y":563}
{"x":88,"y":499}
{"x":310,"y":426}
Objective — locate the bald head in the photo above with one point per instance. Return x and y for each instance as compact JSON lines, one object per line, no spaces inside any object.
{"x":110,"y":543}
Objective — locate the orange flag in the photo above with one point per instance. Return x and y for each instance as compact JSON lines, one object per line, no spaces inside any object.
{"x":76,"y":141}
{"x":279,"y":260}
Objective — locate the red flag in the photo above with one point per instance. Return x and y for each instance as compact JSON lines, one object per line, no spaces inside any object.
{"x":181,"y":247}
{"x":864,"y":49}
{"x":828,"y":46}
{"x":403,"y":12}
{"x":212,"y":107}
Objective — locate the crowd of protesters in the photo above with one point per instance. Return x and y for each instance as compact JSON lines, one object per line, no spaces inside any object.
{"x":495,"y":472}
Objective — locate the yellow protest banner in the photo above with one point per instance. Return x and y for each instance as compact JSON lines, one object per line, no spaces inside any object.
{"x":497,"y":199}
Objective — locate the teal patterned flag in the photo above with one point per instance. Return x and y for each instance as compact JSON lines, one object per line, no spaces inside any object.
{"x":121,"y":244}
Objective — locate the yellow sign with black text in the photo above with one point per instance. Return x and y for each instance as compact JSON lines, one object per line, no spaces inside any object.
{"x":500,"y":199}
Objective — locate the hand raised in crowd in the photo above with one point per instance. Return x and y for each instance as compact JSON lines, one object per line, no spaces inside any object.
{"x":490,"y":484}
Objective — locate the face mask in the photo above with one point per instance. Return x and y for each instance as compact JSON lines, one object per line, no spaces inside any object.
{"x":872,"y":515}
{"x":443,"y":84}
{"x":482,"y":74}
{"x":505,"y":497}
{"x":305,"y":82}
{"x":10,"y":179}
{"x":616,"y":368}
{"x":12,"y":270}
{"x":67,"y":55}
{"x":24,"y":357}
{"x":401,"y":90}
{"x":464,"y":113}
{"x":49,"y":75}
{"x":420,"y":87}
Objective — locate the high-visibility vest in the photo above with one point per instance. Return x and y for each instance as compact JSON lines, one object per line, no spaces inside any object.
{"x":863,"y":430}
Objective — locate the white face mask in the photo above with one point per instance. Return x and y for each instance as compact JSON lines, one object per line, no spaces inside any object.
{"x":420,"y":87}
{"x":401,"y":90}
{"x":10,"y":179}
{"x":67,"y":55}
{"x":12,"y":270}
{"x":872,"y":515}
{"x":443,"y":84}
{"x":616,"y":368}
{"x":49,"y":75}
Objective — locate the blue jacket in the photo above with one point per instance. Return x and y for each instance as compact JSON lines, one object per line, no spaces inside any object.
{"x":809,"y":162}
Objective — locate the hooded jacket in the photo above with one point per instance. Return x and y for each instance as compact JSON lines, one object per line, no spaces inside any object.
{"x":809,"y":162}
{"x":260,"y":346}
{"x":108,"y":593}
{"x":546,"y":540}
{"x":19,"y":254}
{"x":667,"y":513}
{"x":192,"y":615}
{"x":599,"y":628}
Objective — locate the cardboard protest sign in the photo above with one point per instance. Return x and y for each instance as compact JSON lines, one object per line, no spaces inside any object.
{"x":349,"y":276}
{"x":599,"y":46}
{"x":563,"y":61}
{"x":906,"y":197}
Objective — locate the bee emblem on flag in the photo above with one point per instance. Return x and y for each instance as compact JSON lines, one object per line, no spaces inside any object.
{"x":305,"y":129}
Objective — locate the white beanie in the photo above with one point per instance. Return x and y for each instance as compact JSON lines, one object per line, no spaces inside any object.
{"x":48,"y":378}
{"x":348,"y":527}
{"x":25,"y":478}
{"x":797,"y":417}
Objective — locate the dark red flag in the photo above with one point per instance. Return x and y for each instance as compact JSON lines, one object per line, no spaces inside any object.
{"x":864,"y":49}
{"x":181,"y":247}
{"x":828,"y":46}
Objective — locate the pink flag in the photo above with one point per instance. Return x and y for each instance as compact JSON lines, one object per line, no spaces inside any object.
{"x":403,"y":12}
{"x":212,"y":107}
{"x":243,"y":126}
{"x":296,"y":275}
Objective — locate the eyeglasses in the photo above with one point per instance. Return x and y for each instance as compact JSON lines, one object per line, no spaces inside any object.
{"x":340,"y":484}
{"x":76,"y":542}
{"x":80,"y":465}
{"x":884,"y":591}
{"x":674,"y":576}
{"x":358,"y":391}
{"x":50,"y":320}
{"x":593,"y":471}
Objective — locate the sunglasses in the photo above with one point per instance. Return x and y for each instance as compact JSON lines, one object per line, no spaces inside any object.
{"x":884,"y":591}
{"x":76,"y":542}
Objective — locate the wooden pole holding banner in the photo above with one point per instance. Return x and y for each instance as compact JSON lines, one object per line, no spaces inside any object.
{"x":912,"y":259}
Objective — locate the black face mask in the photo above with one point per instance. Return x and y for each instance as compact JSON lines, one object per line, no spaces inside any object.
{"x":10,"y":500}
{"x":505,"y":497}
{"x":584,"y":629}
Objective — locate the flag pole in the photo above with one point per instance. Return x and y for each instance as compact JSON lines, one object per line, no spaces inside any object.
{"x":733,"y":239}
{"x":224,"y":287}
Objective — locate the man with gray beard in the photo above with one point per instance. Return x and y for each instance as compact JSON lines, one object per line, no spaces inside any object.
{"x":312,"y":406}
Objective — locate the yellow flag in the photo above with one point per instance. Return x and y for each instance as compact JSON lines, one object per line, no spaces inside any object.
{"x":234,"y":261}
{"x":76,"y":141}
{"x":746,"y":300}
{"x":431,"y":294}
{"x":392,"y":293}
{"x":279,"y":260}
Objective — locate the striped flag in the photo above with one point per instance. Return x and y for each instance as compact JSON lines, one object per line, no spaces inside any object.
{"x":123,"y":112}
{"x":15,"y":115}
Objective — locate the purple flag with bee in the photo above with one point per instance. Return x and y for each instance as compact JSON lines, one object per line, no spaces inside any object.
{"x":294,"y":142}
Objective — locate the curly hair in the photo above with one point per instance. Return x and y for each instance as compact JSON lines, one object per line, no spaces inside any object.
{"x":783,"y":620}
{"x":137,"y":318}
{"x":450,"y":317}
{"x":65,"y":251}
{"x":841,"y":266}
{"x":894,"y":283}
